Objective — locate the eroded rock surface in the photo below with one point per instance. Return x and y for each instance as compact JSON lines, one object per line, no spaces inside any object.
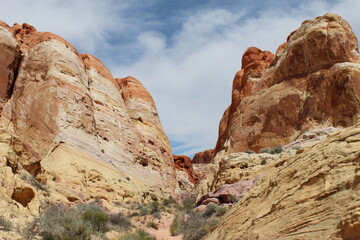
{"x":313,"y":81}
{"x":66,"y":123}
{"x":312,"y":195}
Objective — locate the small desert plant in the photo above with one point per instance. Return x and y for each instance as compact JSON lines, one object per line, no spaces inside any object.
{"x":69,"y":223}
{"x":265,"y":150}
{"x":189,"y":202}
{"x":5,"y":225}
{"x":220,"y":211}
{"x":169,"y":201}
{"x":139,"y":234}
{"x":177,"y":225}
{"x":120,"y":221}
{"x":154,"y":207}
{"x":276,"y":150}
{"x":210,"y":209}
{"x":152,"y":225}
{"x":156,"y":215}
{"x":263,"y":162}
{"x":32,"y":180}
{"x":195,"y":227}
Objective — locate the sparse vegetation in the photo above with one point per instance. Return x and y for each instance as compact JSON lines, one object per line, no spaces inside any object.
{"x":139,"y":234}
{"x":78,"y":223}
{"x":220,"y":211}
{"x":32,"y":180}
{"x":275,"y":150}
{"x":5,"y":225}
{"x":152,"y":225}
{"x":249,"y":151}
{"x":120,"y":220}
{"x":197,"y":224}
{"x":263,"y":162}
{"x":210,"y":209}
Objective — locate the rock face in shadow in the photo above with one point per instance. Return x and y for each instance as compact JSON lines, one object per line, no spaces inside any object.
{"x":70,"y":125}
{"x":312,"y":81}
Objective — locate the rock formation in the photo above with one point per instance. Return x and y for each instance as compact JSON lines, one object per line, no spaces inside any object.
{"x":308,"y":94}
{"x":203,"y":157}
{"x":312,"y":81}
{"x":69,"y":129}
{"x":312,"y":195}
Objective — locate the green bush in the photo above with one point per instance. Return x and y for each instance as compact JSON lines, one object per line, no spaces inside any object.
{"x":177,"y":225}
{"x":5,"y":225}
{"x":139,"y":234}
{"x":220,"y":211}
{"x":59,"y":223}
{"x":154,"y":207}
{"x":156,"y":215}
{"x":195,"y":227}
{"x":94,"y":215}
{"x":189,"y":202}
{"x":276,"y":150}
{"x":265,"y":150}
{"x":120,"y":221}
{"x":210,"y":209}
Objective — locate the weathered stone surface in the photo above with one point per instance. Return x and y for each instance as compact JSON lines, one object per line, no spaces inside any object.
{"x":312,"y":195}
{"x":183,"y":163}
{"x":203,"y":157}
{"x":314,"y":81}
{"x":228,"y":193}
{"x":67,"y":124}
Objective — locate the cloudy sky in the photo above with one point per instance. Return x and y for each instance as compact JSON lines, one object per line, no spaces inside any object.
{"x":185,"y":52}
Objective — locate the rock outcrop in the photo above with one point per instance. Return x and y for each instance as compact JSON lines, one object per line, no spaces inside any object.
{"x":313,"y":81}
{"x":312,"y":195}
{"x":66,"y":123}
{"x":183,"y":163}
{"x":307,"y":99}
{"x":203,"y":157}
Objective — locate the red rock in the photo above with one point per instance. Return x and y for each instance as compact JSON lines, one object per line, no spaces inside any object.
{"x":203,"y":157}
{"x":183,"y":163}
{"x":313,"y":81}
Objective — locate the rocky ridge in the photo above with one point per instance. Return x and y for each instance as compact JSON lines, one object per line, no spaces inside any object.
{"x":306,"y":99}
{"x":311,"y":82}
{"x":71,"y":132}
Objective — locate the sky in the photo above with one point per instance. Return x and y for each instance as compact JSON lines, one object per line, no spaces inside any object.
{"x":185,"y":53}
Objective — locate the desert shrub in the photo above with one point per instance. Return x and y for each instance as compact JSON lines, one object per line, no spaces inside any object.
{"x":265,"y":150}
{"x":143,"y":211}
{"x":210,"y":209}
{"x":276,"y":150}
{"x":5,"y":225}
{"x":154,"y":207}
{"x":32,"y":180}
{"x":220,"y":211}
{"x":120,"y":221}
{"x":156,"y":215}
{"x":152,"y":225}
{"x":169,"y":201}
{"x":95,"y":215}
{"x":139,"y":234}
{"x":195,"y":227}
{"x":263,"y":161}
{"x":189,"y":202}
{"x":59,"y":223}
{"x":177,"y":225}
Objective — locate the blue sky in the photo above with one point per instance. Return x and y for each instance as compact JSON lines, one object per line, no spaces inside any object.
{"x":185,"y":52}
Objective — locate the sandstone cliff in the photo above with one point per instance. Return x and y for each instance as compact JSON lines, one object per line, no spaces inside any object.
{"x":312,"y":81}
{"x":309,"y":93}
{"x":70,"y":131}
